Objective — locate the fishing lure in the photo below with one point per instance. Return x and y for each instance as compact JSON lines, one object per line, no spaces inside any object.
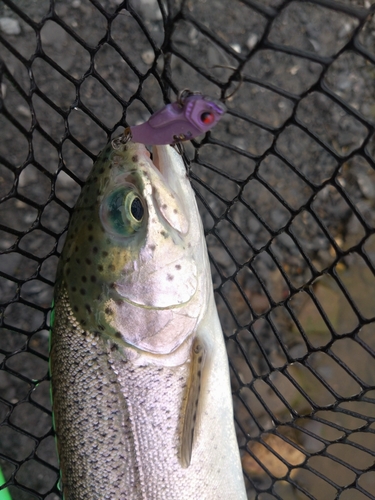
{"x":191,"y":115}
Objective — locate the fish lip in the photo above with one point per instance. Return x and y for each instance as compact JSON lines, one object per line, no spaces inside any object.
{"x":163,"y":161}
{"x":156,"y":159}
{"x":171,"y":166}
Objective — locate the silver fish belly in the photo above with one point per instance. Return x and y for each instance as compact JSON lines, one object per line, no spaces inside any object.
{"x":140,"y":383}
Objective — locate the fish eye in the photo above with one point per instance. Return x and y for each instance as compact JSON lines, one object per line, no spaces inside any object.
{"x":137,"y":209}
{"x":122,"y":211}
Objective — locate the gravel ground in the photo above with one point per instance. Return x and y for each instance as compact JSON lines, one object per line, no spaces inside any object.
{"x":286,"y":188}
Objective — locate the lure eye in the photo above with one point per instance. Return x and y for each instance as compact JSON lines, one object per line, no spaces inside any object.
{"x":122,"y":211}
{"x":207,"y":118}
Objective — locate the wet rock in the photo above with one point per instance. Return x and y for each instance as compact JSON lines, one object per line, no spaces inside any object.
{"x":10,"y":26}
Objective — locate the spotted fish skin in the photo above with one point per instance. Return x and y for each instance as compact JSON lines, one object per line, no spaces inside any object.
{"x":133,"y":304}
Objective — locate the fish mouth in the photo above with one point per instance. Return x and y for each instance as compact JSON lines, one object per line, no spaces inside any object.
{"x":155,"y":158}
{"x":170,"y":165}
{"x":119,"y":297}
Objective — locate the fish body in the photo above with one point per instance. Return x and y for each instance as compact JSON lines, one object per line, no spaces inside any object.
{"x":140,"y":384}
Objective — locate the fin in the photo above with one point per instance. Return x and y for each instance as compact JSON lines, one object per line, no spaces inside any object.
{"x":198,"y":357}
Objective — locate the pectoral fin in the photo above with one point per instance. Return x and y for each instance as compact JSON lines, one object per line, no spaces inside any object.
{"x":191,"y":410}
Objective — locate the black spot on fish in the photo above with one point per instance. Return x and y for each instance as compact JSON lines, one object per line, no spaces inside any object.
{"x":108,"y":310}
{"x":152,"y":247}
{"x":111,"y":267}
{"x":68,"y":271}
{"x":76,"y":248}
{"x":175,"y":211}
{"x":83,"y":322}
{"x":170,"y":277}
{"x":93,"y":279}
{"x":74,"y":288}
{"x":90,"y":238}
{"x":164,"y":234}
{"x":135,"y":158}
{"x":101,"y":327}
{"x":78,"y":261}
{"x":102,"y":170}
{"x":88,"y":308}
{"x":104,"y":253}
{"x":178,"y":266}
{"x":100,"y":267}
{"x":94,"y":249}
{"x":89,"y":227}
{"x":200,"y":359}
{"x":164,"y":207}
{"x":82,"y":291}
{"x":84,"y":279}
{"x":88,"y":262}
{"x":108,"y":241}
{"x":118,"y":335}
{"x":75,"y":309}
{"x":114,"y":347}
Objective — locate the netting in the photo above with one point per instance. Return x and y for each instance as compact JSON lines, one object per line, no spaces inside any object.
{"x":286,"y":189}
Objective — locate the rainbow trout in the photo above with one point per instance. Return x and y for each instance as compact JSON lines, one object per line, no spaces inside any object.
{"x":140,"y":385}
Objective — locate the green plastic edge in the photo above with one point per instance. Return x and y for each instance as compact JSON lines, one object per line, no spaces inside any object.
{"x":4,"y":494}
{"x":52,"y":320}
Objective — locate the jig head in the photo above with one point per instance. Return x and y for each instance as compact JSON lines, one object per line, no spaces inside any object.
{"x":191,"y":115}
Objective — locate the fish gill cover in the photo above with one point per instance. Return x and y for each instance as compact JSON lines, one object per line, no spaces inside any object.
{"x":286,"y":188}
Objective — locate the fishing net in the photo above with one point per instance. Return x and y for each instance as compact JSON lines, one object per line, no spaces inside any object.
{"x":286,"y":188}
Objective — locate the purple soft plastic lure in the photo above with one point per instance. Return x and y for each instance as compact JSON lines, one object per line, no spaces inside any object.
{"x":193,"y":114}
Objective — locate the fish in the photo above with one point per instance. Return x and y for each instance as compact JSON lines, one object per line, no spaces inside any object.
{"x":141,"y":394}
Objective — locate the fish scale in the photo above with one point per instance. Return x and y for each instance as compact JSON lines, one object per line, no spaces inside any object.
{"x":140,"y":380}
{"x":91,"y":413}
{"x":119,"y":414}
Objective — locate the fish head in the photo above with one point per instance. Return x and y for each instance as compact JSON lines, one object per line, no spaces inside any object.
{"x":134,"y":263}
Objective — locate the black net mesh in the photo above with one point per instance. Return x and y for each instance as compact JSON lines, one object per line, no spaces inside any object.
{"x":286,"y":188}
